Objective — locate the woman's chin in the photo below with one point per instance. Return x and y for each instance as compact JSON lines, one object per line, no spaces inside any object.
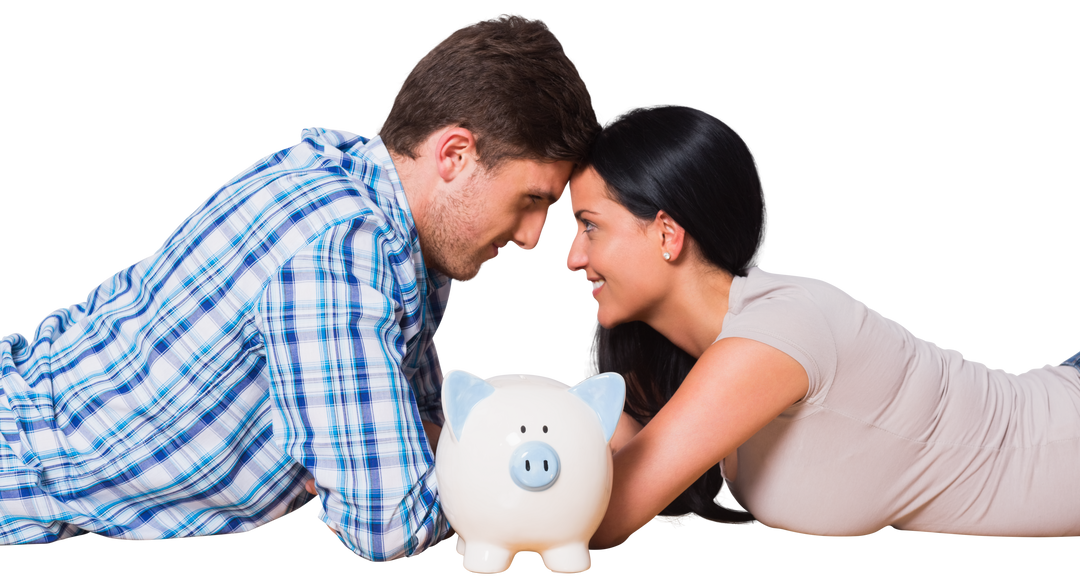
{"x":607,"y":321}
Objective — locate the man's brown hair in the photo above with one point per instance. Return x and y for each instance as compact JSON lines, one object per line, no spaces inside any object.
{"x":505,"y":80}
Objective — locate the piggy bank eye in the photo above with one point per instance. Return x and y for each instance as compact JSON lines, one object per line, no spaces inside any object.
{"x":523,"y":428}
{"x":545,"y":428}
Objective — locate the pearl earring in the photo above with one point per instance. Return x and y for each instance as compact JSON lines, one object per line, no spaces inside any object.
{"x":667,"y":256}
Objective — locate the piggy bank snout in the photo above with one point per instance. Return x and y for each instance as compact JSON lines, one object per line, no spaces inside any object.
{"x":534,"y":466}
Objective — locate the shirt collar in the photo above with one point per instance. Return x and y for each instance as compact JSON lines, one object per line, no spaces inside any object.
{"x":375,"y":151}
{"x":349,"y":145}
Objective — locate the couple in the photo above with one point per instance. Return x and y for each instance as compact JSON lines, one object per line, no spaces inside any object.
{"x":280,"y":342}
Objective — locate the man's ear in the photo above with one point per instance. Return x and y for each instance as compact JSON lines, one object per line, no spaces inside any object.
{"x":455,"y":152}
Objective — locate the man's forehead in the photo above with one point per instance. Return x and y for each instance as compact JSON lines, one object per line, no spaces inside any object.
{"x":548,"y":179}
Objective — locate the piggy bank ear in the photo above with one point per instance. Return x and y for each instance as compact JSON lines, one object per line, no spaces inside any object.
{"x":460,"y":393}
{"x":604,"y":393}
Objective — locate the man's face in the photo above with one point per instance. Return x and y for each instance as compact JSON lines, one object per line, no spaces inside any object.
{"x":491,"y":208}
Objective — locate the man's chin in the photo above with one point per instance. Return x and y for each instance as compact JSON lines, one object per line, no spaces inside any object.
{"x":462,"y":277}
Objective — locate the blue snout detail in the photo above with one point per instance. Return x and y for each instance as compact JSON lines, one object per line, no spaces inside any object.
{"x":534,"y":466}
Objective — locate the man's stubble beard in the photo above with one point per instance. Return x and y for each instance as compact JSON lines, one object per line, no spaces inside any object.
{"x":450,"y":245}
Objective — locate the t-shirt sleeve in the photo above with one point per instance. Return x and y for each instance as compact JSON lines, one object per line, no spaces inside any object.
{"x":789,"y":320}
{"x":341,"y":405}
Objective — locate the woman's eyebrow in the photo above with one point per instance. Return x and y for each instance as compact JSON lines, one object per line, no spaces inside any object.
{"x":577,"y":214}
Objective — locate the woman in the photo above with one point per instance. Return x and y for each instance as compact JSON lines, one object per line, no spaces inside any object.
{"x":826,"y":417}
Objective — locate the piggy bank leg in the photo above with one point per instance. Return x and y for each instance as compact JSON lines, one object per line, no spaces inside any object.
{"x":481,"y":557}
{"x":569,"y":558}
{"x":460,"y":545}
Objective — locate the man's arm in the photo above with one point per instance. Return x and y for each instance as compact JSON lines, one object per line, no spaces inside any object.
{"x":432,"y":431}
{"x":341,"y":405}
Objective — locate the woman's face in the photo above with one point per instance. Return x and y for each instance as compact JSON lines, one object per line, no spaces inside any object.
{"x":620,"y":254}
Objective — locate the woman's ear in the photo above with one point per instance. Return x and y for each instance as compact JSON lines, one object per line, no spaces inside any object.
{"x":672,"y":235}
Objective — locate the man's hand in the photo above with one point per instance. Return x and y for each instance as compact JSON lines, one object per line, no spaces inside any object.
{"x":309,"y":485}
{"x":432,"y":431}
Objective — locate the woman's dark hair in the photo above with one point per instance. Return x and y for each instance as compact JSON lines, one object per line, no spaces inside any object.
{"x":509,"y":82}
{"x":692,"y":166}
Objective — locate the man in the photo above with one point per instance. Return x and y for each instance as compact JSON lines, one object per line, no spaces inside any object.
{"x":282,"y":336}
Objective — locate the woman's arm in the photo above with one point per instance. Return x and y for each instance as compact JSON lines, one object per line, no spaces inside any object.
{"x":736,"y":388}
{"x":624,"y":431}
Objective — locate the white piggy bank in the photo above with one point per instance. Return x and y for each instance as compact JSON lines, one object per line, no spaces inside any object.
{"x":523,"y":464}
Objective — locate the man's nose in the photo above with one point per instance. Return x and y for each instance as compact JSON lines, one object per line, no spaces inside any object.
{"x":528,"y":232}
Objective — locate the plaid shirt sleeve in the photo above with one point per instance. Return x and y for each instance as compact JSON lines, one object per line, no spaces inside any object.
{"x":342,"y":406}
{"x":426,"y":378}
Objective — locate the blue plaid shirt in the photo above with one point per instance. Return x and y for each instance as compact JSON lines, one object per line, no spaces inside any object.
{"x":283,"y":332}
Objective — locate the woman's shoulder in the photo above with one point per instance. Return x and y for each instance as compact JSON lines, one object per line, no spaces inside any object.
{"x":782,"y":302}
{"x":791,"y":301}
{"x":759,"y":287}
{"x":790,"y":313}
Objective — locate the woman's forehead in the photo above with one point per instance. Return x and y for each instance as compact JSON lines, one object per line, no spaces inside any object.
{"x":586,"y":187}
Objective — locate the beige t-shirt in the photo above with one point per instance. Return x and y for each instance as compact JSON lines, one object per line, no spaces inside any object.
{"x":897,"y":431}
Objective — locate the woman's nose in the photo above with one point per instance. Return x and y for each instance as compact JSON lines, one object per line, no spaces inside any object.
{"x":577,"y":259}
